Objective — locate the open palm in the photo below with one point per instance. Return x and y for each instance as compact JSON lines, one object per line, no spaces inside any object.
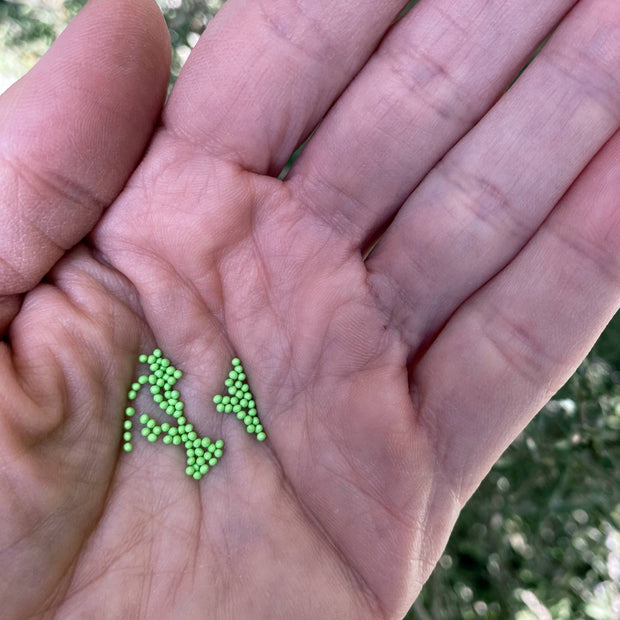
{"x":396,"y":340}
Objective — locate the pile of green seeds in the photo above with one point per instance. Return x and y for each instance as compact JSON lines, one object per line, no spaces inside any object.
{"x":240,"y":401}
{"x":202,"y":453}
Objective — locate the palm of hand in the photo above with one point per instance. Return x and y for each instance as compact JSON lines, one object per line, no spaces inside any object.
{"x":342,"y":513}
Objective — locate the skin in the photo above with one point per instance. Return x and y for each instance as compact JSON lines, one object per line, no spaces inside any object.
{"x":388,"y":381}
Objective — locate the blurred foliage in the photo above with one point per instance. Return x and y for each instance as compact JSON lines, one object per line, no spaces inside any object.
{"x":540,"y":539}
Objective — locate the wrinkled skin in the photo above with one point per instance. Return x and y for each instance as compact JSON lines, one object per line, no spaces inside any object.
{"x":389,"y":377}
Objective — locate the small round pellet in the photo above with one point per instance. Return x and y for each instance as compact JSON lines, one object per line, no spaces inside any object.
{"x":127,"y":447}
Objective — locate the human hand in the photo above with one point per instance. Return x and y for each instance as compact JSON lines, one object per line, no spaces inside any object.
{"x":387,"y":386}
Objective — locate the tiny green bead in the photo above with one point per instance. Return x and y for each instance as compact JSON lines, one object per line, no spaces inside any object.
{"x":174,"y":394}
{"x":232,"y":375}
{"x":170,"y":409}
{"x":240,"y":415}
{"x":151,"y":423}
{"x":212,"y":448}
{"x":189,"y":471}
{"x":188,"y":428}
{"x":220,"y":408}
{"x":159,"y":373}
{"x":235,"y":361}
{"x":259,"y":428}
{"x":198,"y":451}
{"x":173,"y":431}
{"x":127,"y":447}
{"x":150,"y":359}
{"x":197,"y":475}
{"x":217,"y":398}
{"x":155,"y":389}
{"x":205,"y":442}
{"x":135,"y":386}
{"x":167,"y":439}
{"x":229,"y":383}
{"x":167,"y":394}
{"x":219,"y":444}
{"x":189,"y":445}
{"x":178,"y":374}
{"x":160,"y":383}
{"x":145,"y":431}
{"x":200,"y":460}
{"x":244,"y":403}
{"x":157,"y":353}
{"x":233,"y":400}
{"x":261,"y":436}
{"x":217,"y":454}
{"x":236,"y":409}
{"x":156,"y":430}
{"x":181,"y":428}
{"x":197,"y":442}
{"x":127,"y":424}
{"x":191,"y":435}
{"x":176,"y":440}
{"x":154,"y":368}
{"x":239,"y":394}
{"x":203,"y":469}
{"x":255,"y":420}
{"x":170,"y":370}
{"x":142,"y":358}
{"x":245,"y":388}
{"x":152,"y":437}
{"x":228,"y":408}
{"x":251,"y":403}
{"x":226,"y":400}
{"x":131,"y":395}
{"x":127,"y":436}
{"x":183,"y":437}
{"x":152,"y":379}
{"x":165,"y":427}
{"x":129,"y":411}
{"x":158,"y":398}
{"x":165,"y":362}
{"x":241,"y":376}
{"x":191,"y":460}
{"x":163,"y":405}
{"x":248,"y":420}
{"x":232,"y":390}
{"x":212,"y":462}
{"x":238,"y":384}
{"x":142,"y":379}
{"x":250,"y":428}
{"x":179,"y":406}
{"x":252,"y":411}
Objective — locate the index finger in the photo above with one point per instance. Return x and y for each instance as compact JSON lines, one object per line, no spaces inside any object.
{"x":266,"y":71}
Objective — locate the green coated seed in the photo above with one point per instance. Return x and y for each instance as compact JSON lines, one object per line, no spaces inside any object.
{"x":261,"y":436}
{"x":179,"y":406}
{"x":212,"y":462}
{"x":245,"y":388}
{"x":189,"y":471}
{"x":232,"y":375}
{"x":229,"y":382}
{"x":243,"y":403}
{"x":181,"y":420}
{"x":129,"y":411}
{"x":236,"y":361}
{"x":219,"y":444}
{"x":152,"y":437}
{"x":236,"y":409}
{"x":232,"y":390}
{"x":152,"y":379}
{"x":204,"y":469}
{"x":178,"y":374}
{"x":131,"y":395}
{"x":142,"y":379}
{"x":127,"y":424}
{"x":142,"y":358}
{"x":160,"y":383}
{"x":167,"y":439}
{"x":157,"y":353}
{"x":252,"y":411}
{"x":151,"y":423}
{"x":255,"y":420}
{"x":163,"y":405}
{"x":259,"y":428}
{"x":173,"y":431}
{"x":205,"y":442}
{"x":233,"y":401}
{"x":248,"y":420}
{"x":188,"y":428}
{"x":158,"y":398}
{"x":251,"y":404}
{"x":145,"y":431}
{"x":165,"y":427}
{"x":174,"y":394}
{"x":150,"y":359}
{"x":176,"y":440}
{"x":135,"y":386}
{"x":183,"y":437}
{"x":200,"y":460}
{"x":165,"y":362}
{"x":197,"y":475}
{"x":155,"y":389}
{"x":191,"y":435}
{"x":240,"y":415}
{"x":250,"y":428}
{"x":191,"y":460}
{"x":217,"y":454}
{"x":239,"y":394}
{"x":238,"y":384}
{"x":197,"y":443}
{"x":228,"y":408}
{"x":217,"y":398}
{"x":241,"y":376}
{"x":127,"y":436}
{"x":127,"y":447}
{"x":157,"y":430}
{"x":220,"y":408}
{"x":212,"y":448}
{"x":170,"y":409}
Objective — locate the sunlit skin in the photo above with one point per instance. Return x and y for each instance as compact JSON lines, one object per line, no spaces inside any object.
{"x":388,"y":381}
